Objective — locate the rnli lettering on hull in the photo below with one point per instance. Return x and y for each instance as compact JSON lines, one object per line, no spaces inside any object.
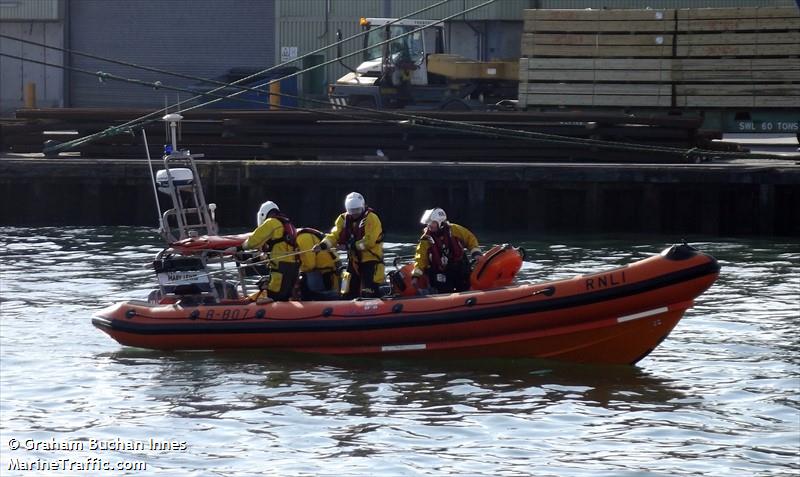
{"x":605,"y":280}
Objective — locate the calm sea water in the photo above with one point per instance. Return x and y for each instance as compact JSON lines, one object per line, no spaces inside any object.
{"x":719,"y":397}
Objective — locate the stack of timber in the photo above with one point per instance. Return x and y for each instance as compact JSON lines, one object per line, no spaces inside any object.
{"x":685,"y":58}
{"x":290,"y":135}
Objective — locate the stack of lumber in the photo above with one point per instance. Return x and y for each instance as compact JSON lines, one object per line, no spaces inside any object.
{"x":291,"y":135}
{"x":696,"y":58}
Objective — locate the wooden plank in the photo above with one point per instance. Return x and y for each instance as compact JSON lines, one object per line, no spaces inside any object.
{"x":572,"y":15}
{"x":725,"y":38}
{"x":787,"y":90}
{"x":647,"y":39}
{"x":730,"y":69}
{"x":596,"y":69}
{"x":533,"y":100}
{"x":589,"y":26}
{"x":741,"y":75}
{"x":738,"y":50}
{"x":733,"y":64}
{"x":597,"y":51}
{"x":777,"y":102}
{"x":620,"y":89}
{"x":678,"y":70}
{"x":598,"y":63}
{"x":651,"y":76}
{"x":741,"y":12}
{"x":738,"y":101}
{"x":734,"y":24}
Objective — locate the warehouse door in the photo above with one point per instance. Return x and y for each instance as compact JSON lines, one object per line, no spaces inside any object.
{"x":200,"y":38}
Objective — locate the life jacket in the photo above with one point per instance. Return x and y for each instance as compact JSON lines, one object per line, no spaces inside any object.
{"x":443,"y":244}
{"x":312,"y":231}
{"x":354,"y":228}
{"x":320,"y":236}
{"x":289,"y":233}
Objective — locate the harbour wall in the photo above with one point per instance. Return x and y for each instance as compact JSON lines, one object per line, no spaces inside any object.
{"x":737,"y":198}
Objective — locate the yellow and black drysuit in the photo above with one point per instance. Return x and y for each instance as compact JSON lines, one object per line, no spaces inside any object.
{"x":276,"y":237}
{"x":319,"y":270}
{"x":442,"y":256}
{"x":362,"y":237}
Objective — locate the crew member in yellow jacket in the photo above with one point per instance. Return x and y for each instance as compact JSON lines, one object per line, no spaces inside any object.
{"x":358,"y":230}
{"x":319,"y":271}
{"x":441,"y":253}
{"x":276,"y":237}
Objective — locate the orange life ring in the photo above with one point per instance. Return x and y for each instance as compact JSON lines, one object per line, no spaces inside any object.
{"x":496,"y":268}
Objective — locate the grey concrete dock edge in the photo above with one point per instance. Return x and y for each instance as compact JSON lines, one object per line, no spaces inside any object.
{"x":737,"y":197}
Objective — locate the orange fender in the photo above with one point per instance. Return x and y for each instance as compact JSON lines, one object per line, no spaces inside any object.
{"x":497,"y":267}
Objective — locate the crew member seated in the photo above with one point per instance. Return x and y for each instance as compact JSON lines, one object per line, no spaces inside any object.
{"x":319,"y":271}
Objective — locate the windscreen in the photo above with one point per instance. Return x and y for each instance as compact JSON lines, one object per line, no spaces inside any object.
{"x":407,"y":48}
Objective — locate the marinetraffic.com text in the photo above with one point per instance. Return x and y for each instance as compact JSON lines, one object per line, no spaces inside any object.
{"x":84,"y":455}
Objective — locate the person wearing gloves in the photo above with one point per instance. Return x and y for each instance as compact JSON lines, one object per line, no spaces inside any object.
{"x":358,"y":230}
{"x":444,"y":252}
{"x":276,"y":237}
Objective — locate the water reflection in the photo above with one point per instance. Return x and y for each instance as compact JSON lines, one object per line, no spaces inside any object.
{"x":190,"y":383}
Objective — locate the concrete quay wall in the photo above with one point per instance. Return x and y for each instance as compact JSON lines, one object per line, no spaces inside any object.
{"x":735,"y":198}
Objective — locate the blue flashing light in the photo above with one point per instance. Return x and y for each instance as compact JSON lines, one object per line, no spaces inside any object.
{"x":167,"y":149}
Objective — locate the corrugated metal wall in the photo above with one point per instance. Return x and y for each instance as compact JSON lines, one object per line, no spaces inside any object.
{"x":15,"y":74}
{"x":25,"y":10}
{"x":658,"y":4}
{"x":309,"y":25}
{"x":499,"y":10}
{"x":203,"y":38}
{"x":32,"y":20}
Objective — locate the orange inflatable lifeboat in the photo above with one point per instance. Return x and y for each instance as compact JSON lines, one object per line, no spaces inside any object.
{"x":608,"y":316}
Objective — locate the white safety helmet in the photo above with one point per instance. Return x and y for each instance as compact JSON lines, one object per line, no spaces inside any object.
{"x":354,"y":203}
{"x":433,"y":215}
{"x":264,"y":211}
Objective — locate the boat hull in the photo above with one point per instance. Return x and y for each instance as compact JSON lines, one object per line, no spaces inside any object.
{"x":616,"y":316}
